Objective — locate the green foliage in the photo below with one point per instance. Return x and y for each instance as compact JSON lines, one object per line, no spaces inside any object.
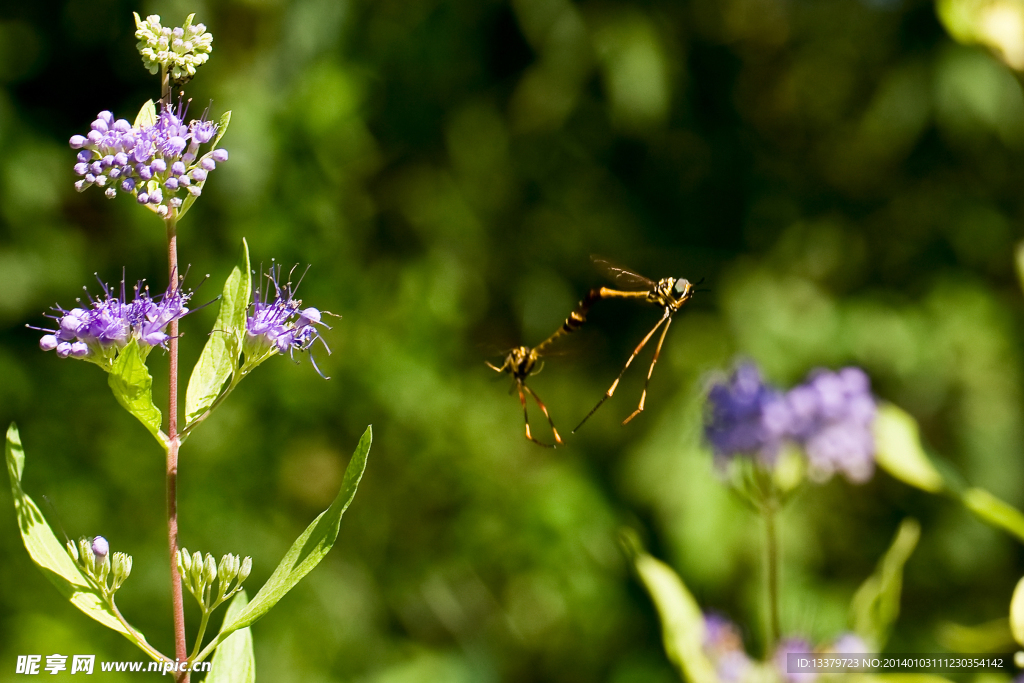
{"x":898,"y":450}
{"x":682,"y":622}
{"x":1017,"y":613}
{"x":994,"y":511}
{"x":307,"y":551}
{"x":147,"y":114}
{"x":841,"y":172}
{"x":219,"y":359}
{"x":132,"y":385}
{"x":876,"y":604}
{"x":233,"y":662}
{"x":52,"y":558}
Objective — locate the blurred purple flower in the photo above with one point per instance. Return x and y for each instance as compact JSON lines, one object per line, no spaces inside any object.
{"x":832,"y":415}
{"x":792,"y":645}
{"x":849,"y":644}
{"x":746,"y":417}
{"x":829,"y":416}
{"x":723,"y":645}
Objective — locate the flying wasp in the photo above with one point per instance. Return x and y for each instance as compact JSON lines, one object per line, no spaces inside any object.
{"x":522,"y":362}
{"x":669,"y":293}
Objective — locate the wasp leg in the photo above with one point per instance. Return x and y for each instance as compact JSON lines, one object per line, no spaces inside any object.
{"x":544,"y":409}
{"x":615,"y":384}
{"x":526,"y":417}
{"x":650,"y":371}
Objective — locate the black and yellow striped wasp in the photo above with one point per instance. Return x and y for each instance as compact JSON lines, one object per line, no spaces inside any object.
{"x":522,"y":362}
{"x":669,"y":294}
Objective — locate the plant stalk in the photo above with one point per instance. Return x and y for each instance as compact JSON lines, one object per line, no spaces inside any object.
{"x":174,"y":442}
{"x":769,"y":511}
{"x":177,"y":599}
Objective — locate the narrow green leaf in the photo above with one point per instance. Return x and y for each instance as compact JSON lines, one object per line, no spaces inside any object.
{"x":233,"y":662}
{"x":49,"y":555}
{"x":220,"y":355}
{"x":1018,"y":259}
{"x":876,"y":604}
{"x":994,"y":511}
{"x":146,"y":115}
{"x":222,"y":127}
{"x":898,"y":450}
{"x":308,"y":549}
{"x":682,"y":622}
{"x":990,"y":636}
{"x":132,"y":385}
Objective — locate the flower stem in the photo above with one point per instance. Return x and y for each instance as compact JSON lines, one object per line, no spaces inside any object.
{"x":137,"y":637}
{"x":177,"y":600}
{"x":202,"y":631}
{"x":769,"y":510}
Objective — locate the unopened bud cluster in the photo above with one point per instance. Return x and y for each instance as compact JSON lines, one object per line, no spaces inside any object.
{"x":179,"y":50}
{"x":199,"y":573}
{"x":93,"y":557}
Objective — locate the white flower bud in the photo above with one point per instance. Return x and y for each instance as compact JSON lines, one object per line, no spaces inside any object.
{"x":209,"y":569}
{"x":243,"y":571}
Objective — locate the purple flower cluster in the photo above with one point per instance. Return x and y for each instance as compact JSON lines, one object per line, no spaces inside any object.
{"x":792,"y":645}
{"x":156,"y":163}
{"x":99,"y":331}
{"x":746,"y":416}
{"x":846,"y":644}
{"x":280,"y":324}
{"x":723,"y":644}
{"x":829,"y":416}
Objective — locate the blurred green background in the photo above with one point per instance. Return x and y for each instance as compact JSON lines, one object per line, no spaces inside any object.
{"x":845,"y":174}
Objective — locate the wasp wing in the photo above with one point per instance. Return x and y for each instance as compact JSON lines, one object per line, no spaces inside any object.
{"x":623,"y":277}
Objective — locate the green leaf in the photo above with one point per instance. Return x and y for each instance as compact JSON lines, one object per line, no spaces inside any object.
{"x":898,"y":450}
{"x":682,"y":622}
{"x":132,"y":385}
{"x":876,"y":604}
{"x":306,"y":552}
{"x":222,"y":127}
{"x":146,"y":115}
{"x":220,"y":355}
{"x":1017,"y":613}
{"x":1018,"y":259}
{"x":50,"y":556}
{"x":990,"y":636}
{"x":233,"y":662}
{"x":995,"y":511}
